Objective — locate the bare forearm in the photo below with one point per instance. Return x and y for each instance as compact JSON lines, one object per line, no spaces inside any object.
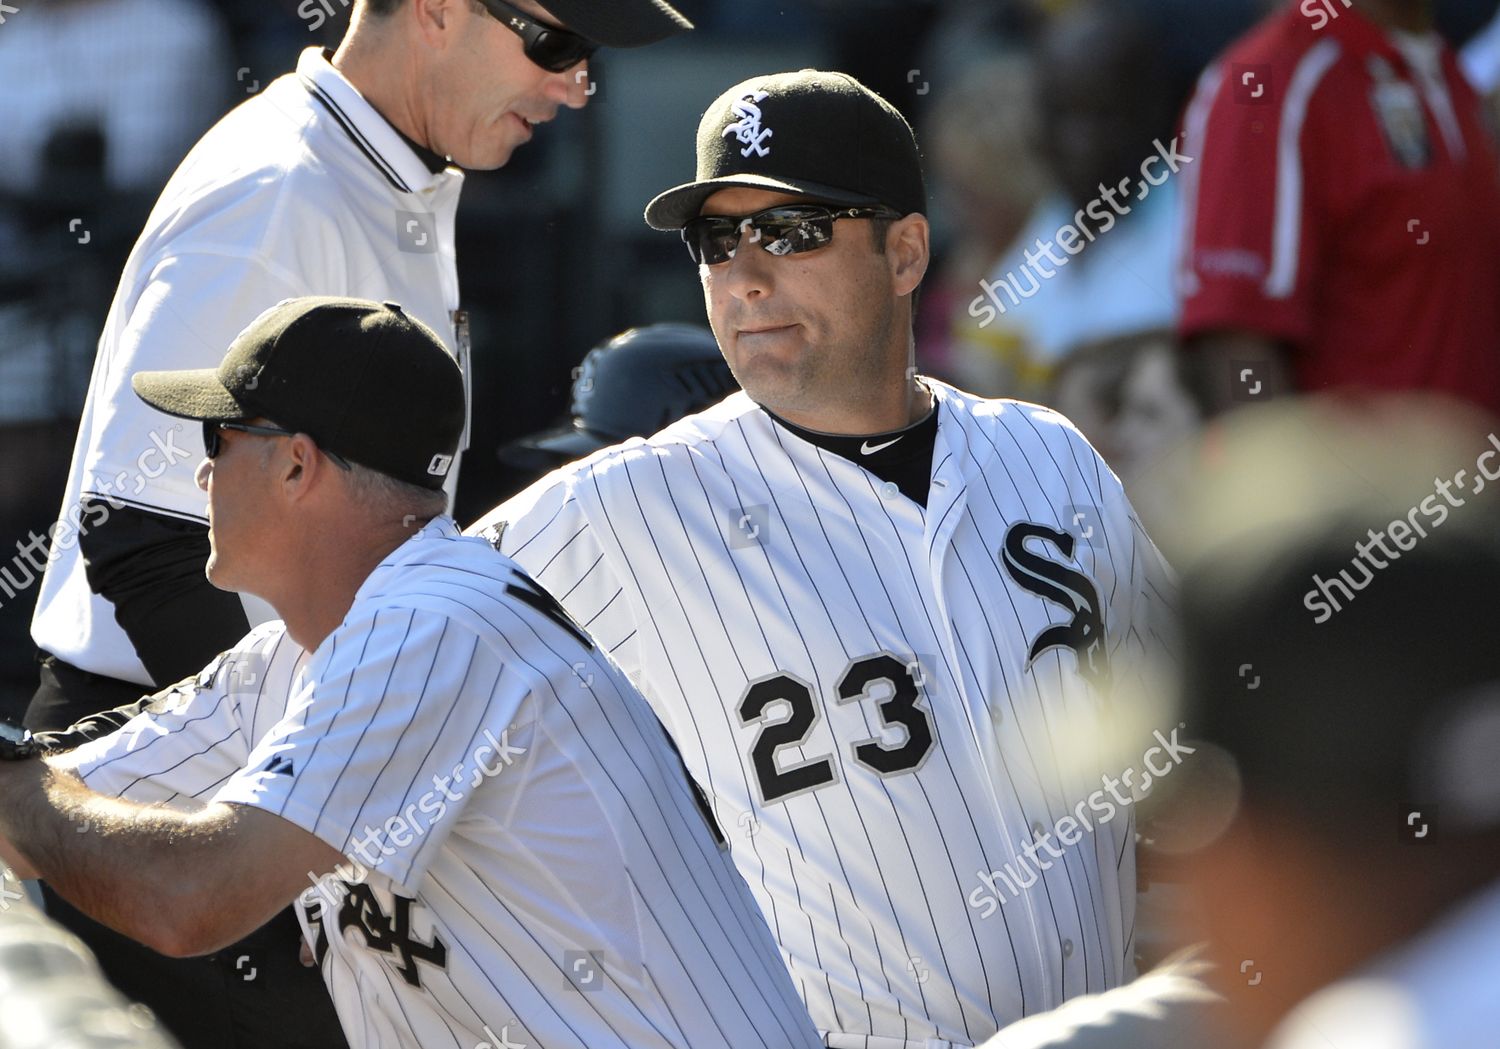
{"x":13,"y":862}
{"x":139,"y":869}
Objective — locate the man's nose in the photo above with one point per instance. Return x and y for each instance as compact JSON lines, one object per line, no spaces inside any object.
{"x":579,"y":86}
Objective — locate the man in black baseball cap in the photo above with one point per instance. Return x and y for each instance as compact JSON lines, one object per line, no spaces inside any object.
{"x":359,"y":756}
{"x":791,"y":161}
{"x":370,"y":407}
{"x":828,"y":516}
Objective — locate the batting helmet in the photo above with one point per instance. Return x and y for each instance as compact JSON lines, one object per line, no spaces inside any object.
{"x":631,"y":386}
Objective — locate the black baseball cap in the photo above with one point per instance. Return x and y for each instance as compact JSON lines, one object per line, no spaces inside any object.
{"x":363,"y":379}
{"x":619,"y":23}
{"x":632,"y":385}
{"x":811,"y":133}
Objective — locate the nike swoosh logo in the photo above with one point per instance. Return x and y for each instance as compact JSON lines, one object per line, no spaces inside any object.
{"x":868,"y":449}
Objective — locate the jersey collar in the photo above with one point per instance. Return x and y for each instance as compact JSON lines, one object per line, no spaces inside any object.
{"x":370,"y":132}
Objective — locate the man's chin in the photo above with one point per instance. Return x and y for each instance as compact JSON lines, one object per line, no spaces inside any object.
{"x":495,"y":153}
{"x":218,"y":577}
{"x":779,"y":393}
{"x":491,"y":160}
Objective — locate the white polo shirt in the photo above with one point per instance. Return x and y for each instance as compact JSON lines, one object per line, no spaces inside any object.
{"x":303,"y":190}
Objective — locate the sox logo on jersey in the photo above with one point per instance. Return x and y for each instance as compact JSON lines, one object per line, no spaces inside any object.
{"x":882,"y":693}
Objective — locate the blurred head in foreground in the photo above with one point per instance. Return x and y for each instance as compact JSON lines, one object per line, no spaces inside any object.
{"x":1339,"y":576}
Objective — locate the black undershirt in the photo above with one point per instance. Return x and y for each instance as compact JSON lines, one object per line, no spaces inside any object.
{"x":431,"y":160}
{"x":902,"y":456}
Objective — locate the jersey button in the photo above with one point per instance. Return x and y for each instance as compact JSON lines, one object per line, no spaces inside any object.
{"x":1067,"y":948}
{"x":1037,"y":830}
{"x":890,"y":489}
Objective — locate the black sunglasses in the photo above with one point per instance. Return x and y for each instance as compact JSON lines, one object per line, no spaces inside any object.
{"x":787,"y":230}
{"x":213,"y":443}
{"x":555,"y":50}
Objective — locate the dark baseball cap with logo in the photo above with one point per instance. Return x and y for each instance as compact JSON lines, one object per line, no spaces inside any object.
{"x":631,"y":385}
{"x":810,"y":133}
{"x":363,"y":379}
{"x":619,"y":23}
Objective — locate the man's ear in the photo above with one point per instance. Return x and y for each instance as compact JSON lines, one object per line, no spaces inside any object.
{"x":437,"y":20}
{"x":300,"y":466}
{"x":908,"y":250}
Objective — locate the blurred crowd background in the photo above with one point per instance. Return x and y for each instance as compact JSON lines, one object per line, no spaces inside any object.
{"x":1022,"y":108}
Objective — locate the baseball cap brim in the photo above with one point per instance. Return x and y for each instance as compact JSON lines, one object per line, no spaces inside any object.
{"x":191,"y":394}
{"x":620,"y":23}
{"x":553,"y":447}
{"x":673,"y":208}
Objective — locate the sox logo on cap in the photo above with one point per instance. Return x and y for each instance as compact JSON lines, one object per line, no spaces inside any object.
{"x":748,"y":128}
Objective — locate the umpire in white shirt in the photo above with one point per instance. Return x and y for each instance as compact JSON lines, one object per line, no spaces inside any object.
{"x":339,"y":179}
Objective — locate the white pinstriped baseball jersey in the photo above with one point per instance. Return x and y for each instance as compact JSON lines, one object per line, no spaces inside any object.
{"x":875,"y":696}
{"x":529,"y":865}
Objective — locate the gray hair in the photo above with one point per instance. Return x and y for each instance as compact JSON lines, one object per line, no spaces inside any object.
{"x":384,"y":493}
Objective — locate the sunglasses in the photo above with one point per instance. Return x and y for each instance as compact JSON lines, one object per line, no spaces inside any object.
{"x":213,"y":443}
{"x":555,"y":50}
{"x":788,"y":230}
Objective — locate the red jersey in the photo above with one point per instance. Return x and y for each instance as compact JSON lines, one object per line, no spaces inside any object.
{"x":1346,"y":201}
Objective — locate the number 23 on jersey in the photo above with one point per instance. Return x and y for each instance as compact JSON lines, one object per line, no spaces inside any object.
{"x":779,"y":780}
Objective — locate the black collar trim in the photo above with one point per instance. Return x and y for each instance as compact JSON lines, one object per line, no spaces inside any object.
{"x":381,"y":164}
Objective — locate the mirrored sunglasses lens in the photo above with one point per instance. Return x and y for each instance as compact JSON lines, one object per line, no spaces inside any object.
{"x":790,"y":236}
{"x":710,"y":242}
{"x":558,"y":52}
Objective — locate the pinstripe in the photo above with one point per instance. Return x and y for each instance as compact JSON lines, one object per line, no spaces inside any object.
{"x":1096,"y":500}
{"x":920,"y":602}
{"x":1015,"y":720}
{"x":385,"y":692}
{"x":833,"y":623}
{"x":1036,"y":767}
{"x":140,"y":752}
{"x":375,"y":779}
{"x":447,"y":716}
{"x":774,"y":917}
{"x":460,"y":958}
{"x":835,"y":580}
{"x":936,"y":820}
{"x":683,"y":814}
{"x":186,"y":758}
